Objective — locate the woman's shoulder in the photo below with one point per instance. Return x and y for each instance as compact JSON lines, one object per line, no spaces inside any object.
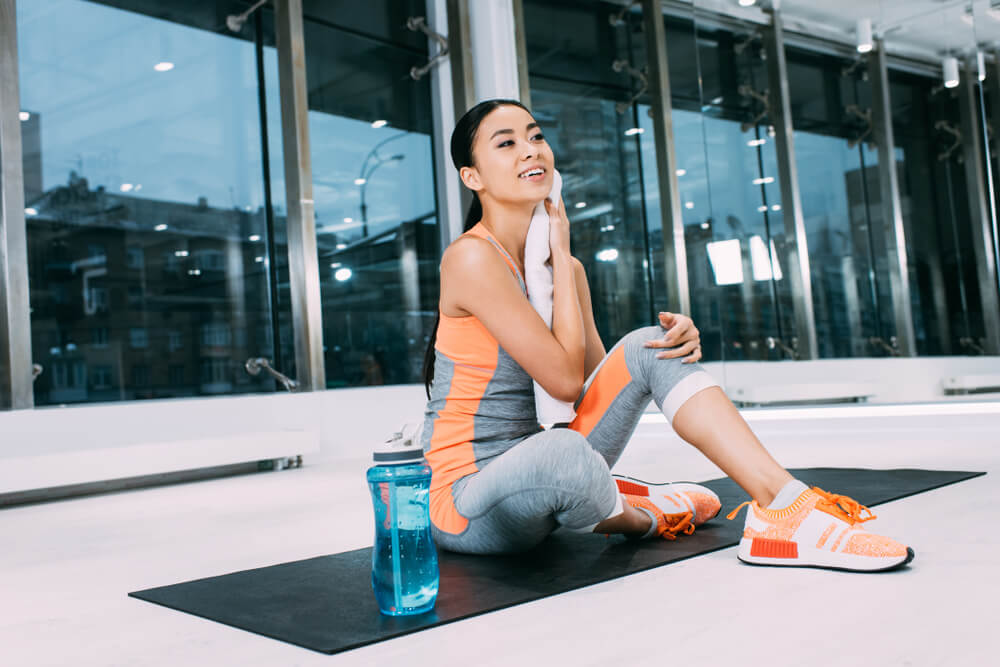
{"x":467,"y":253}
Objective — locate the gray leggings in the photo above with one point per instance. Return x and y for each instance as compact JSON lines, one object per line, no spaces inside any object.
{"x":562,"y":476}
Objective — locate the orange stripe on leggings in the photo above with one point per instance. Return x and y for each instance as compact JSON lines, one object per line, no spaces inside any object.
{"x":611,"y":379}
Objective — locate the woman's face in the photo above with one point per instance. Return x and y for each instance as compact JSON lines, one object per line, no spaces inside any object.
{"x":513,"y":161}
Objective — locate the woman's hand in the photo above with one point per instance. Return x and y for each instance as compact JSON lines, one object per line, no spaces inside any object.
{"x":558,"y":227}
{"x":682,"y":335}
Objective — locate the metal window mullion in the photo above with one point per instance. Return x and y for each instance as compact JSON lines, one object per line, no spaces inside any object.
{"x":303,"y":260}
{"x":791,"y":204}
{"x":15,"y":315}
{"x":979,"y":218}
{"x":447,"y":82}
{"x":521,"y":46}
{"x":658,"y":74}
{"x":892,"y":212}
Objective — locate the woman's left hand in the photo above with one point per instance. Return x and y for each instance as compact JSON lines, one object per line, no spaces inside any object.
{"x":682,"y":336}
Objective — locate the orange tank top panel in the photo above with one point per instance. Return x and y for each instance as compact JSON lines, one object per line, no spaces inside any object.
{"x":481,"y":404}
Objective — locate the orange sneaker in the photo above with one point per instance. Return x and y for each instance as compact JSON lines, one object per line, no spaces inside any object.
{"x":819,"y":529}
{"x":672,"y":518}
{"x":701,"y":501}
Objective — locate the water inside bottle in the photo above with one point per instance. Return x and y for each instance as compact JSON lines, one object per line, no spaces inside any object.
{"x":417,"y":557}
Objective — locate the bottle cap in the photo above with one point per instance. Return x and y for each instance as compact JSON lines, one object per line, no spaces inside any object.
{"x":403,"y":446}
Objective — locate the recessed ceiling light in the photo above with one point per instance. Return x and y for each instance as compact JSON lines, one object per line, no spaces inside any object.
{"x":24,"y":115}
{"x":633,"y":131}
{"x":163,"y":67}
{"x":580,"y":204}
{"x":379,"y":123}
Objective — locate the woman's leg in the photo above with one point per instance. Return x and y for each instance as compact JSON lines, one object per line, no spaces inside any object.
{"x":709,"y":421}
{"x":630,"y":376}
{"x":550,"y":479}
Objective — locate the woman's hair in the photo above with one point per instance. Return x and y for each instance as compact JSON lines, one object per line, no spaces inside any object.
{"x":462,"y":139}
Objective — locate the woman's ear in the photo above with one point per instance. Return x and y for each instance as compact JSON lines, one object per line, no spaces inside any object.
{"x":470,"y":177}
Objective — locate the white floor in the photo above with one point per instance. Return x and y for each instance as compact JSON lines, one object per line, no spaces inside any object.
{"x":66,"y":567}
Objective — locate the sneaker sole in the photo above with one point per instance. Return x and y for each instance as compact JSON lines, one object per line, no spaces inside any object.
{"x":826,"y":560}
{"x":637,"y":487}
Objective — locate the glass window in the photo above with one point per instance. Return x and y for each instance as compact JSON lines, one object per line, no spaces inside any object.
{"x":597,"y":125}
{"x":373,"y":187}
{"x":144,"y":187}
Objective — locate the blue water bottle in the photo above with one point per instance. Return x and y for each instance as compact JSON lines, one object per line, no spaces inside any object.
{"x":404,"y":560}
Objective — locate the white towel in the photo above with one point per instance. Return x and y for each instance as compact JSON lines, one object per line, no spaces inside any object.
{"x":538,"y":280}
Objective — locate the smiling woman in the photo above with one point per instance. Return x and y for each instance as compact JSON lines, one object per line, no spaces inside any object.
{"x":500,"y":482}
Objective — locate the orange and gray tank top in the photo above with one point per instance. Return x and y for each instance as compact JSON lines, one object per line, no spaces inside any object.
{"x":481,"y":404}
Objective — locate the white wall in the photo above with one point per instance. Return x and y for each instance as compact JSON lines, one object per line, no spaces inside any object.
{"x":55,"y":446}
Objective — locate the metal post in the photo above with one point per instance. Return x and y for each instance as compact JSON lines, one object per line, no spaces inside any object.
{"x":303,"y":261}
{"x":494,"y":55}
{"x":892,"y":213}
{"x":979,"y":218}
{"x":15,"y":320}
{"x":445,"y":17}
{"x":674,"y":246}
{"x":799,"y":275}
{"x":521,"y":47}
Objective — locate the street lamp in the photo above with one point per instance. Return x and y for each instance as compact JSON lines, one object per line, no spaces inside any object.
{"x":363,"y":182}
{"x":362,"y":179}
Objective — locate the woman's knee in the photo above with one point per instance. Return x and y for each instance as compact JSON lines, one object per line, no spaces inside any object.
{"x":570,"y":462}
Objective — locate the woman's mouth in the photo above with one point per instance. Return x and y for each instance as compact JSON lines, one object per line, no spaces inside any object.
{"x":535,"y":174}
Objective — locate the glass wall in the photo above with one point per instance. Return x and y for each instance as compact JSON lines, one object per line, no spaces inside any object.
{"x":373,"y":185}
{"x":145,"y":198}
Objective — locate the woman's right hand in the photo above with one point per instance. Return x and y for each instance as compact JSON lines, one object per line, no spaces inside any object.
{"x":558,"y":227}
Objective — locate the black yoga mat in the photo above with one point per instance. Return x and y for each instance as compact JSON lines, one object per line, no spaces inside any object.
{"x":326,"y":604}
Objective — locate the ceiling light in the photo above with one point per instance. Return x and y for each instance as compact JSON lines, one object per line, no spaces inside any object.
{"x":949,"y":68}
{"x":343,"y":274}
{"x":689,"y":204}
{"x":681,"y":172}
{"x":864,"y":35}
{"x":776,"y":207}
{"x":24,"y":115}
{"x":180,"y":253}
{"x":762,"y":181}
{"x":981,"y":65}
{"x":341,"y":246}
{"x":756,"y":142}
{"x":633,"y":130}
{"x":30,"y":211}
{"x":761,"y":209}
{"x":163,"y":67}
{"x":580,"y":204}
{"x":608,"y":255}
{"x":379,"y":123}
{"x":359,"y":181}
{"x":194,"y":272}
{"x":748,"y":3}
{"x":160,"y":228}
{"x":255,"y":237}
{"x":335,"y":265}
{"x":348,"y":220}
{"x":258,"y":259}
{"x":126,"y":187}
{"x":705,"y":225}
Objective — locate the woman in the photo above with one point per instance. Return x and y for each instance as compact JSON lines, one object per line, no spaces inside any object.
{"x":501,"y":483}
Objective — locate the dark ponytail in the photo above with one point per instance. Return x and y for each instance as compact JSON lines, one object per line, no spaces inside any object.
{"x":462,"y":139}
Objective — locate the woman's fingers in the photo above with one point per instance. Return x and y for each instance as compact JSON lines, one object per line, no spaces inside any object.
{"x":682,"y":351}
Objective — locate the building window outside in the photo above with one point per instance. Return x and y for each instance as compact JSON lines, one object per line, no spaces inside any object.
{"x":99,"y":336}
{"x":134,"y":257}
{"x":175,"y":341}
{"x":138,"y":337}
{"x":101,"y":377}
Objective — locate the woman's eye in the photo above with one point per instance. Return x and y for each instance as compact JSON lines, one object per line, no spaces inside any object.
{"x":538,"y":136}
{"x":505,"y":143}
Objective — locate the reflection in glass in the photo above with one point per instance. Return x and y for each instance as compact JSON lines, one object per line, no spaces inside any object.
{"x":144,"y":202}
{"x":584,"y":105}
{"x":373,"y":186}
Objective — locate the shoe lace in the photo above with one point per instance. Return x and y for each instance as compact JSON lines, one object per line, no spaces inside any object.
{"x":843,"y":507}
{"x":676,"y":524}
{"x":732,"y":515}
